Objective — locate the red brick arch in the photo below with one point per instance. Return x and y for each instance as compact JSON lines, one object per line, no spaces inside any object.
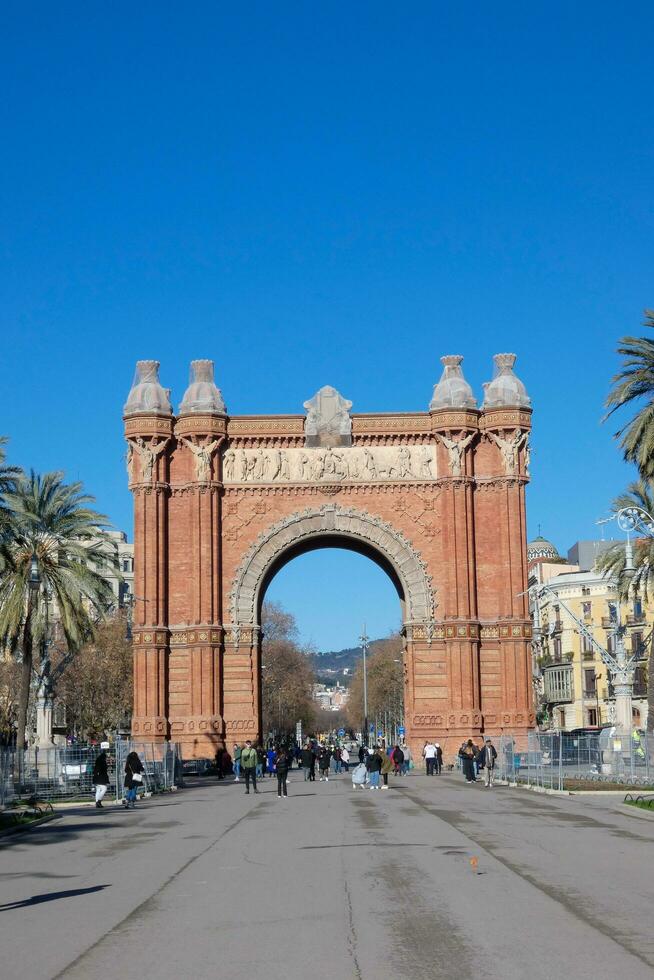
{"x":221,"y":502}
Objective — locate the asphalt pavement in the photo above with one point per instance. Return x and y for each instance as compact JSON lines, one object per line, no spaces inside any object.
{"x":430,"y":879}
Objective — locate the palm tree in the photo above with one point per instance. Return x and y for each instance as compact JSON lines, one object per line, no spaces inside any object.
{"x":634,"y":382}
{"x":640,"y":494}
{"x":8,"y":477}
{"x":50,"y":523}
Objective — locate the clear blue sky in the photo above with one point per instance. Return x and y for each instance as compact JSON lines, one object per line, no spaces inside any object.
{"x":324,"y":193}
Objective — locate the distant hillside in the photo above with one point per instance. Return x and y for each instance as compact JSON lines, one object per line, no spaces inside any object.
{"x":329,"y":666}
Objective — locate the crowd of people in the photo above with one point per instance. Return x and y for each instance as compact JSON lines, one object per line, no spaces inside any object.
{"x":249,"y":763}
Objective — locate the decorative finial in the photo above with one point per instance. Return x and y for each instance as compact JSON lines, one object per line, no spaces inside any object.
{"x":147,"y":396}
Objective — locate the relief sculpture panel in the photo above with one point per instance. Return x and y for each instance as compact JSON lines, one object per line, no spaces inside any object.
{"x":375,"y":464}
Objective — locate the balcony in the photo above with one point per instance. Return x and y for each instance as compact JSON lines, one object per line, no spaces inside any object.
{"x":608,"y":623}
{"x":558,"y":686}
{"x":587,"y":654}
{"x":636,"y":619}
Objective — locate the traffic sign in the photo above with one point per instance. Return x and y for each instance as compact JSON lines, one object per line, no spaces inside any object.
{"x":341,"y":732}
{"x":380,"y":734}
{"x":400,"y":730}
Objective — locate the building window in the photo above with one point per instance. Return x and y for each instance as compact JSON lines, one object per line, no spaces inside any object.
{"x":638,"y":608}
{"x":557,"y":648}
{"x":592,"y":717}
{"x":586,"y":610}
{"x":586,"y":644}
{"x":640,"y":682}
{"x":637,"y":645}
{"x":590,"y":686}
{"x":585,"y":591}
{"x":613,"y":612}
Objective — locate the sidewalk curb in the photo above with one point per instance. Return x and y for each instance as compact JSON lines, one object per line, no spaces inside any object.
{"x":24,"y":828}
{"x":634,"y":811}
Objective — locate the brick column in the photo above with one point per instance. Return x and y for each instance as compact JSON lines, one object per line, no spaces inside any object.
{"x":196,"y":719}
{"x":149,"y":439}
{"x":506,"y":643}
{"x":242,"y":683}
{"x":457,"y":432}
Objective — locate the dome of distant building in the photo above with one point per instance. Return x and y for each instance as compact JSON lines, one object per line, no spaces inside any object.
{"x":541,"y":548}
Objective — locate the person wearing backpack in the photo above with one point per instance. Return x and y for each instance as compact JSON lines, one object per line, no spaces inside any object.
{"x":281,"y":767}
{"x":398,"y":760}
{"x":249,"y":767}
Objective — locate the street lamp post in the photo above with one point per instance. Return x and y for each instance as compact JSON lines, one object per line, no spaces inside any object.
{"x":365,"y":642}
{"x":619,"y":665}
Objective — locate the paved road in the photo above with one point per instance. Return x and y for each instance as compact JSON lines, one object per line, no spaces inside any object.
{"x":333,"y":883}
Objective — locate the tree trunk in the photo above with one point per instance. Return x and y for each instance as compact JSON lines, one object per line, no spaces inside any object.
{"x":650,"y":686}
{"x":25,"y":681}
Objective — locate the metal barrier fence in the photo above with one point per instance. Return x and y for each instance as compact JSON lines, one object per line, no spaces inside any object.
{"x":559,"y":760}
{"x":66,"y":772}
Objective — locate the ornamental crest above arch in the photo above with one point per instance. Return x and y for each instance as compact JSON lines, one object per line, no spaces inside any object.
{"x":332,"y":520}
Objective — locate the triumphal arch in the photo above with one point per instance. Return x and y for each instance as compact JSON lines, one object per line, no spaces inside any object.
{"x":222,"y":502}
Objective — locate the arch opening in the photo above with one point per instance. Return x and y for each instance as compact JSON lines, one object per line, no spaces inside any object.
{"x":330,"y":526}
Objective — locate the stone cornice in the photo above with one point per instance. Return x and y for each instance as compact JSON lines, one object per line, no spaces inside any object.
{"x":505,"y":418}
{"x":194,"y":425}
{"x":148,"y":425}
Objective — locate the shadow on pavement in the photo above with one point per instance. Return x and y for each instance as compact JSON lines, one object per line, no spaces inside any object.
{"x":51,"y":897}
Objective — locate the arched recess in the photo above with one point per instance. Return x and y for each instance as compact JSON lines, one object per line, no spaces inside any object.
{"x":330,"y":525}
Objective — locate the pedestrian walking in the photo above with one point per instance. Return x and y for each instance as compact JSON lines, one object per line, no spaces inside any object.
{"x":270,"y":763}
{"x":281,"y":768}
{"x":236,"y":761}
{"x":467,"y":756}
{"x":345,"y":759}
{"x":308,"y":763}
{"x":324,"y":758}
{"x":398,"y":760}
{"x":249,"y":767}
{"x":337,"y":759}
{"x":374,"y":767}
{"x":261,"y":761}
{"x":408,"y":760}
{"x":429,"y":755}
{"x":133,"y":779}
{"x":100,"y":777}
{"x":387,"y":767}
{"x":362,"y":753}
{"x":438,"y":759}
{"x":487,"y":758}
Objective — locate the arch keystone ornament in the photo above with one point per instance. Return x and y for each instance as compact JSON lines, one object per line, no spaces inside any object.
{"x":221,"y":503}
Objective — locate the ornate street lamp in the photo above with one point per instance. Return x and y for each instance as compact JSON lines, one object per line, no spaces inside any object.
{"x":365,"y":642}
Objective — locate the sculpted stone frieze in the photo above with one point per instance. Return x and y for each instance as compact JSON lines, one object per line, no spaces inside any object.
{"x":330,"y":466}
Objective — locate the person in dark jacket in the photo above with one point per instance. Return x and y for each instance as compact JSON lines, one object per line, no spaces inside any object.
{"x":324,"y":758}
{"x":467,"y":756}
{"x":374,"y":767}
{"x":362,"y":754}
{"x":133,"y":779}
{"x":100,"y":778}
{"x":487,"y":758}
{"x":308,"y":763}
{"x":398,"y":760}
{"x":438,"y":761}
{"x":281,"y":767}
